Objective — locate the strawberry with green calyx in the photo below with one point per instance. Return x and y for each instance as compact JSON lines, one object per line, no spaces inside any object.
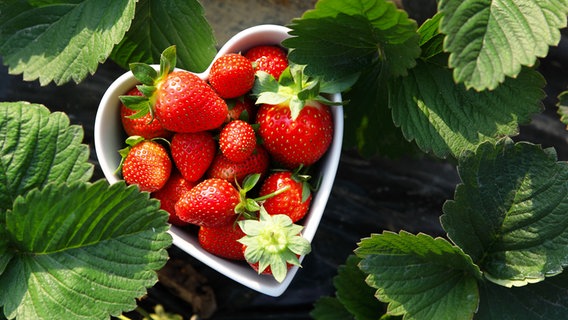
{"x":145,"y":163}
{"x":295,"y":202}
{"x":273,"y":244}
{"x":137,"y":125}
{"x":211,"y":203}
{"x":179,"y":99}
{"x":216,"y":202}
{"x":295,"y":121}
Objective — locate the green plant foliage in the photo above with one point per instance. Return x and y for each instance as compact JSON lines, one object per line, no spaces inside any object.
{"x":544,"y":300}
{"x":328,"y":308}
{"x":509,"y":212}
{"x":61,"y":41}
{"x":563,"y":107}
{"x":28,"y":161}
{"x":67,"y":246}
{"x":159,"y":24}
{"x":446,"y":118}
{"x":490,"y":39}
{"x":386,"y":45}
{"x":420,"y":277}
{"x":324,"y":38}
{"x":82,"y":249}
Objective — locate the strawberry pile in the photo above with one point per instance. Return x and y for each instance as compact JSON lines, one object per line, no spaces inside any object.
{"x":231,"y":154}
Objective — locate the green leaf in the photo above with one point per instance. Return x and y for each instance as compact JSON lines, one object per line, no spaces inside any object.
{"x":368,"y":119}
{"x":352,"y":291}
{"x":38,"y":147}
{"x":445,"y":118}
{"x":82,"y":250}
{"x":563,"y":107}
{"x":63,"y":41}
{"x":419,"y":276}
{"x":328,"y":308}
{"x":159,"y":24}
{"x":509,"y":212}
{"x":323,"y":38}
{"x":490,"y":39}
{"x":431,"y":40}
{"x":544,"y":300}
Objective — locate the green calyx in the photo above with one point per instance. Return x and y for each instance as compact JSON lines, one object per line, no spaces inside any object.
{"x":293,"y":87}
{"x":247,"y":207}
{"x":273,"y":241}
{"x":149,"y":79}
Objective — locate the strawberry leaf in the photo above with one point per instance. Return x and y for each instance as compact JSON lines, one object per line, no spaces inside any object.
{"x":353,"y":292}
{"x":61,"y":41}
{"x":431,"y":109}
{"x":509,"y":212}
{"x":66,"y":240}
{"x":498,"y":37}
{"x":323,"y":38}
{"x":563,"y":107}
{"x":419,"y":276}
{"x":38,"y":147}
{"x":543,"y":300}
{"x":160,"y":24}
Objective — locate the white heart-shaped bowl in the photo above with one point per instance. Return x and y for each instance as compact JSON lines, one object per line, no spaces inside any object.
{"x":109,"y":138}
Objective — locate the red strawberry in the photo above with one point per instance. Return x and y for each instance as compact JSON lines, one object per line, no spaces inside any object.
{"x":237,"y":140}
{"x":271,"y":59}
{"x":146,"y":163}
{"x":170,"y":194}
{"x":294,"y":141}
{"x":222,"y":241}
{"x":223,"y":168}
{"x":231,"y":75}
{"x":294,"y":202}
{"x":193,"y":153}
{"x":237,"y":108}
{"x":145,"y":126}
{"x":179,"y":99}
{"x":294,"y":123}
{"x":211,"y":203}
{"x":273,"y":242}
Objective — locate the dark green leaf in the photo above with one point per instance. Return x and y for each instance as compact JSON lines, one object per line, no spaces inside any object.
{"x":63,"y":41}
{"x":328,"y":308}
{"x":445,"y":118}
{"x":492,"y":40}
{"x":509,"y":212}
{"x":38,"y":147}
{"x":159,"y":24}
{"x":352,"y":291}
{"x":431,"y":40}
{"x":419,"y":276}
{"x":340,"y":38}
{"x":368,"y":119}
{"x":563,"y":107}
{"x":82,"y":249}
{"x":544,"y":300}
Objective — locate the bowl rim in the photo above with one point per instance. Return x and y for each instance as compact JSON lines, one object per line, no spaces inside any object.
{"x":107,"y":123}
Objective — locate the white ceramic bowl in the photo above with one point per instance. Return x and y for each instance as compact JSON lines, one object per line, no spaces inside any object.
{"x":109,"y":138}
